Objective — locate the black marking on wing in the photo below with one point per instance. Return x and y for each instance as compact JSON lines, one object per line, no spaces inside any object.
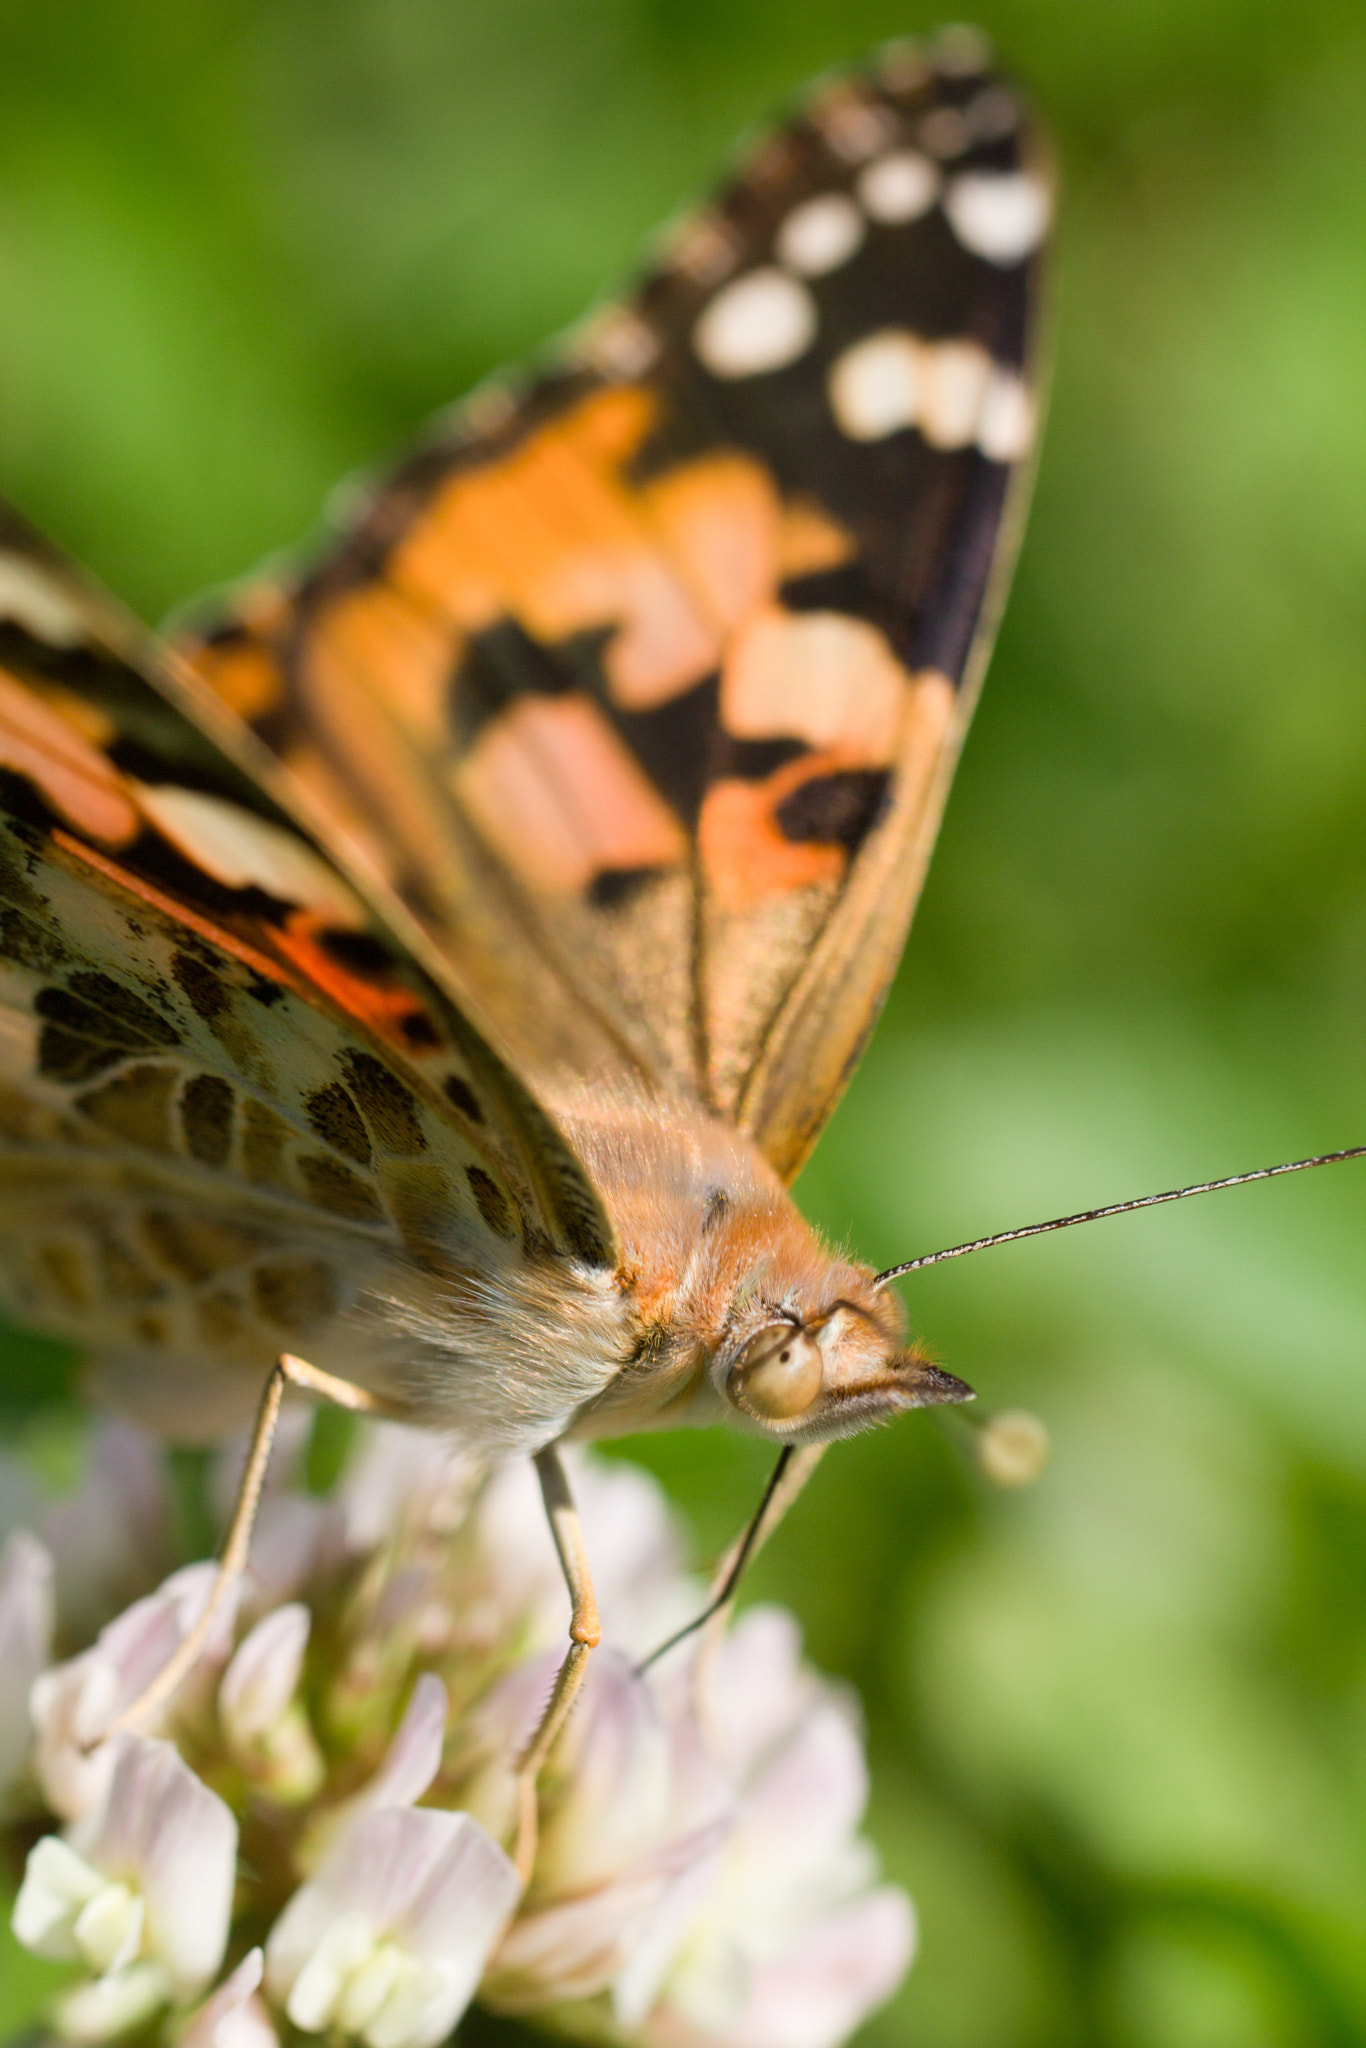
{"x":834,"y":810}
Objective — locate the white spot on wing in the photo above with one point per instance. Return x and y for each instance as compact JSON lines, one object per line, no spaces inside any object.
{"x":899,"y":186}
{"x":763,"y":321}
{"x":950,"y":390}
{"x":953,"y":386}
{"x":820,"y":234}
{"x":999,"y":215}
{"x":35,"y":602}
{"x":1006,"y":427}
{"x":242,"y":851}
{"x":874,"y":386}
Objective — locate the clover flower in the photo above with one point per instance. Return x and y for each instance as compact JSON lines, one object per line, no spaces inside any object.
{"x":312,"y":1838}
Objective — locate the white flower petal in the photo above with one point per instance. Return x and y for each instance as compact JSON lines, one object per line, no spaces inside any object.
{"x":108,"y":2006}
{"x":343,"y":1947}
{"x":368,"y":1988}
{"x":109,"y":1930}
{"x":299,"y":1543}
{"x":636,"y":1987}
{"x":417,"y":2011}
{"x":464,"y":1901}
{"x":404,"y":1475}
{"x":577,"y":1947}
{"x":70,"y":1705}
{"x":57,"y":1884}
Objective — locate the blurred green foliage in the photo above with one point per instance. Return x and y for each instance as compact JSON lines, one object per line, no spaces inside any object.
{"x":1118,"y":1722}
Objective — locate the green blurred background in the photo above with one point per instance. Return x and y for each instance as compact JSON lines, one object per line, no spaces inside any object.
{"x":1118,"y":1722}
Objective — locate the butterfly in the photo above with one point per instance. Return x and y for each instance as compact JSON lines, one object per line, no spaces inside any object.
{"x":440,"y":960}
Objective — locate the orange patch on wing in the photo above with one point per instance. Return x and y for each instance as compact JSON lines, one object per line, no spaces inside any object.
{"x":745,"y":855}
{"x":723,"y":538}
{"x":492,"y":538}
{"x":72,"y":775}
{"x":243,"y":672}
{"x":385,"y":1006}
{"x":556,"y":536}
{"x":810,"y":540}
{"x":304,"y":968}
{"x":822,"y":677}
{"x":405,"y":651}
{"x":558,"y":796}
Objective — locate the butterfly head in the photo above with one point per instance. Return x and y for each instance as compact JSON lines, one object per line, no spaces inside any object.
{"x":807,"y":1376}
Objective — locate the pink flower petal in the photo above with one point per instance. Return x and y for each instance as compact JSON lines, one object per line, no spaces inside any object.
{"x":234,"y":2017}
{"x":74,"y":1703}
{"x":413,"y":1758}
{"x":758,"y":1688}
{"x":110,"y":1539}
{"x":615,"y":1757}
{"x":577,"y":1947}
{"x":26,"y":1620}
{"x":432,"y":1882}
{"x":809,"y":1799}
{"x":263,"y":1676}
{"x":844,"y":1969}
{"x":169,"y":1837}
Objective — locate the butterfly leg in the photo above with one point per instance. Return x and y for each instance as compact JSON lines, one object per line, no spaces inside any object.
{"x":788,"y":1477}
{"x":286,"y":1372}
{"x":585,"y":1633}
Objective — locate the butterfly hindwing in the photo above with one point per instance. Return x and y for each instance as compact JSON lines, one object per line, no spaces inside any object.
{"x":232,"y":1102}
{"x":642,"y":685}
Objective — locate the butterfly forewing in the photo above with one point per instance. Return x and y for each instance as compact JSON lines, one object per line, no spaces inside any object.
{"x":232,"y":1104}
{"x":642,"y":685}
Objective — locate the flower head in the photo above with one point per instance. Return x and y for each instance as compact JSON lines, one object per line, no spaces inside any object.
{"x":315,"y":1837}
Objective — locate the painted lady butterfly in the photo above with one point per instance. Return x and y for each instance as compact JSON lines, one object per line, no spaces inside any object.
{"x":443,"y":962}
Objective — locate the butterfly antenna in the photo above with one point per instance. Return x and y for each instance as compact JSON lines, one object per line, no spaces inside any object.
{"x":1204,"y":1187}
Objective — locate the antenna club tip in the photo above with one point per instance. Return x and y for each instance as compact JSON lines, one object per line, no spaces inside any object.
{"x":1013,"y":1447}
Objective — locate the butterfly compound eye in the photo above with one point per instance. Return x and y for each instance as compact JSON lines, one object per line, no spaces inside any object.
{"x":778,"y":1374}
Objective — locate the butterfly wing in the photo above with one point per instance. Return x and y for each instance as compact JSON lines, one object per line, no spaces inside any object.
{"x":642,"y":686}
{"x":230,"y":1100}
